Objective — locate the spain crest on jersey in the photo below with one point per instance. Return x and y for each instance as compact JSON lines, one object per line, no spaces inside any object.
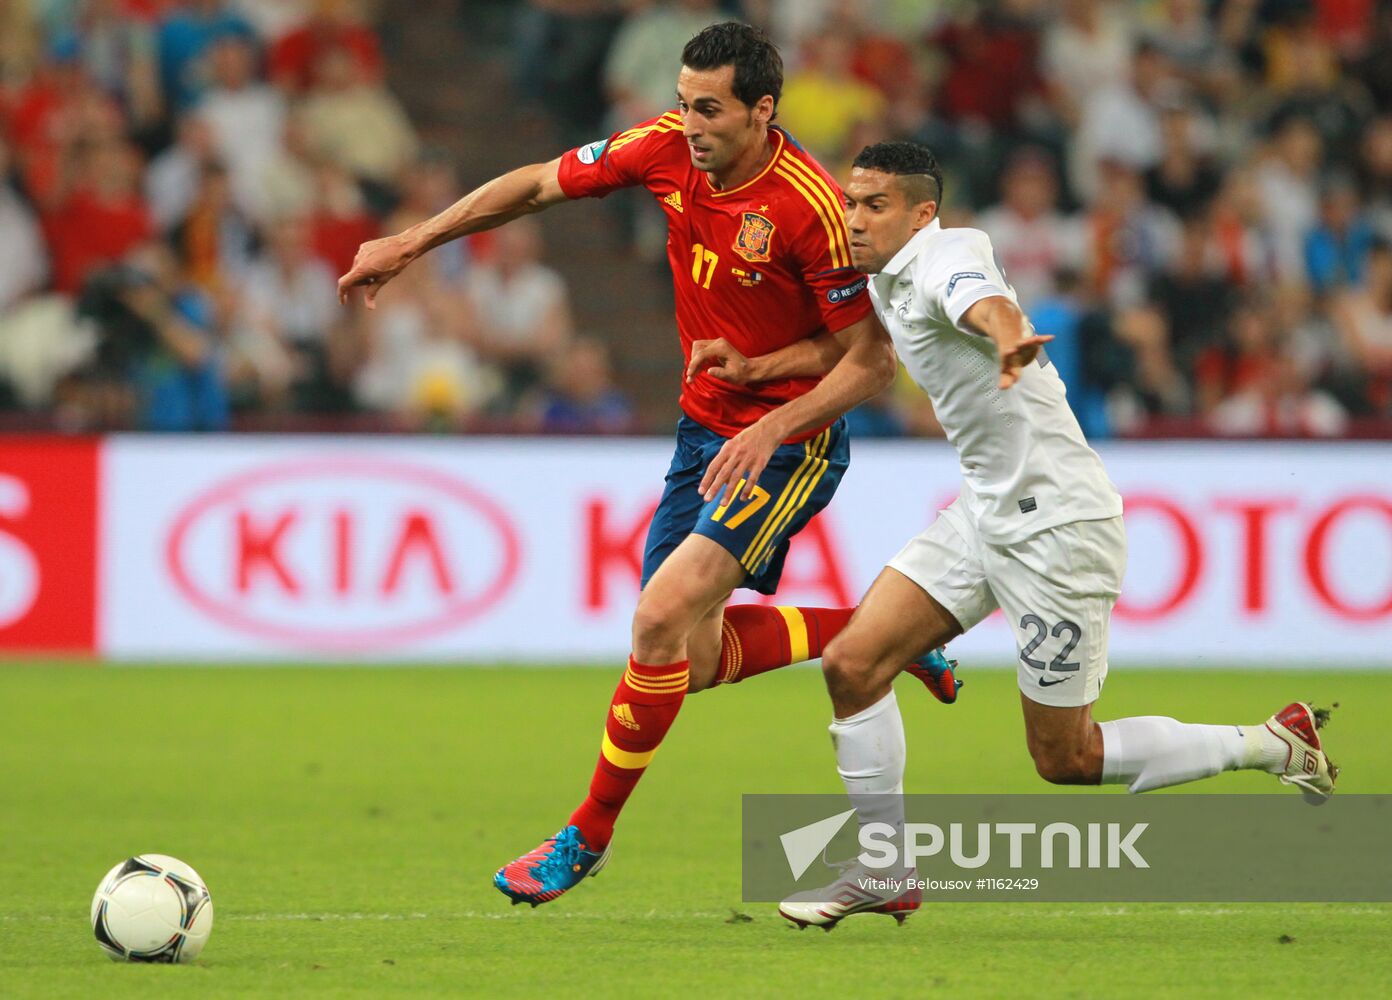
{"x":754,"y":237}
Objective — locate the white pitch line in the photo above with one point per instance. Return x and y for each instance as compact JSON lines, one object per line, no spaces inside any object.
{"x":755,"y":910}
{"x":520,"y":913}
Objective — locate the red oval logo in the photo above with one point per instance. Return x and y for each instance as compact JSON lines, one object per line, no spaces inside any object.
{"x":343,"y":554}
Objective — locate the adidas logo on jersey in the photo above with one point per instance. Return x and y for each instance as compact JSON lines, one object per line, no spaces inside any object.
{"x":674,"y":199}
{"x":625,"y":716}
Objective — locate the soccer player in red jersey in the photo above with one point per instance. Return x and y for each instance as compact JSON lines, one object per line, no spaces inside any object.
{"x":760,"y":260}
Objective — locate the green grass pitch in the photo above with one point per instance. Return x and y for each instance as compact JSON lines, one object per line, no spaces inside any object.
{"x":348,"y":822}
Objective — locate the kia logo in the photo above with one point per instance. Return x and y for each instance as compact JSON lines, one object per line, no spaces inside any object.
{"x":343,"y":554}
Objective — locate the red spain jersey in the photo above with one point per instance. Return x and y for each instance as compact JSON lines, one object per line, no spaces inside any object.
{"x":763,"y":265}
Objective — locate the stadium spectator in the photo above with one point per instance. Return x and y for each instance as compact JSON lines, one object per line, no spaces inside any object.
{"x":1032,"y":238}
{"x":1138,"y":371}
{"x":419,"y":363}
{"x":1064,"y":314}
{"x":331,"y":26}
{"x":183,"y":39}
{"x":173,"y":176}
{"x":823,"y":100}
{"x":1335,"y":250}
{"x":340,"y":221}
{"x":1127,"y":238}
{"x":1248,"y":386}
{"x":1192,"y":293}
{"x":21,"y":241}
{"x":1087,"y":49}
{"x":246,"y":116}
{"x":118,"y":53}
{"x":1287,"y":179}
{"x":1188,"y":39}
{"x":1185,"y":179}
{"x":1120,"y":121}
{"x":1310,"y":338}
{"x":275,"y":19}
{"x":1364,"y":319}
{"x":992,"y":69}
{"x":579,"y":396}
{"x":522,"y":306}
{"x":1374,"y":69}
{"x":355,"y":122}
{"x":214,"y":241}
{"x":290,"y":322}
{"x":49,"y":113}
{"x":1306,"y":81}
{"x":646,"y":54}
{"x":97,"y":216}
{"x":21,"y":44}
{"x":1375,"y":170}
{"x":41,"y":343}
{"x":157,"y":360}
{"x":559,"y":51}
{"x":1238,"y":214}
{"x":287,"y":182}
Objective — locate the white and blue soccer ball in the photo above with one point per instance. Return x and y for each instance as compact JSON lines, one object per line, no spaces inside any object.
{"x":152,"y":908}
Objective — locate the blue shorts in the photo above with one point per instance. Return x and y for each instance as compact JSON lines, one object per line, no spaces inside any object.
{"x":799,"y":481}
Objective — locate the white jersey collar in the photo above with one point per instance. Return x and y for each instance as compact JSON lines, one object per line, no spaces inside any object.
{"x":911,"y":249}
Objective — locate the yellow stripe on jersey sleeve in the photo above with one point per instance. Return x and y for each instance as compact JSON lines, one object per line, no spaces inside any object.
{"x":664,"y":124}
{"x":828,"y":198}
{"x":839,"y":258}
{"x":670,"y":116}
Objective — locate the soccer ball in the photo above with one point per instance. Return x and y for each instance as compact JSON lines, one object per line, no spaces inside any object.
{"x":152,"y":908}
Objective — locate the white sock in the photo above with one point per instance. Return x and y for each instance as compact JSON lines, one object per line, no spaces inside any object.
{"x":870,"y":757}
{"x":1152,"y":751}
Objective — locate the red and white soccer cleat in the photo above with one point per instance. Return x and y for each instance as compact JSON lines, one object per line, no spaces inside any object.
{"x":858,"y":890}
{"x":1297,"y":726}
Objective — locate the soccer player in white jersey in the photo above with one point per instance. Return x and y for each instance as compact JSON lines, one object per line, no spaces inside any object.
{"x":1037,"y":532}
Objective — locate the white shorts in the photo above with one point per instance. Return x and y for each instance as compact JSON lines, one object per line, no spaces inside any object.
{"x":1057,"y":589}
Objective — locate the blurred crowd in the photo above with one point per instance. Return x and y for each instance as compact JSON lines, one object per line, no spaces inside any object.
{"x":1193,"y":196}
{"x":181,"y":183}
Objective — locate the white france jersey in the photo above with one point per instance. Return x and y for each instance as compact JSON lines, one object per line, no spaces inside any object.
{"x":1024,"y":460}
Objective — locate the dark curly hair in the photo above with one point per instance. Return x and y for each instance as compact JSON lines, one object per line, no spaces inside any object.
{"x":913,"y":161}
{"x":758,"y":66}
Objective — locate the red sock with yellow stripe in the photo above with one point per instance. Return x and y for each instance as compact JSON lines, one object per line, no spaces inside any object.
{"x":755,"y":639}
{"x":645,"y":704}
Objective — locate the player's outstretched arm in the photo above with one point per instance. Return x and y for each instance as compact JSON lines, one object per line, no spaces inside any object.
{"x":865,"y":368}
{"x":523,"y":191}
{"x":1016,"y":342}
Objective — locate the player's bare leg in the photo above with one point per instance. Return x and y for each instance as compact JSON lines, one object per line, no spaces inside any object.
{"x":1065,"y":743}
{"x":1147,"y":752}
{"x":895,"y":623}
{"x":698,"y":576}
{"x":686,"y":591}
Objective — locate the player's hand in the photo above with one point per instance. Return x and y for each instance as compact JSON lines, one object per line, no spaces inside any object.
{"x":719,"y":359}
{"x":1014,"y":357}
{"x":741,"y":460}
{"x":377,"y":262}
